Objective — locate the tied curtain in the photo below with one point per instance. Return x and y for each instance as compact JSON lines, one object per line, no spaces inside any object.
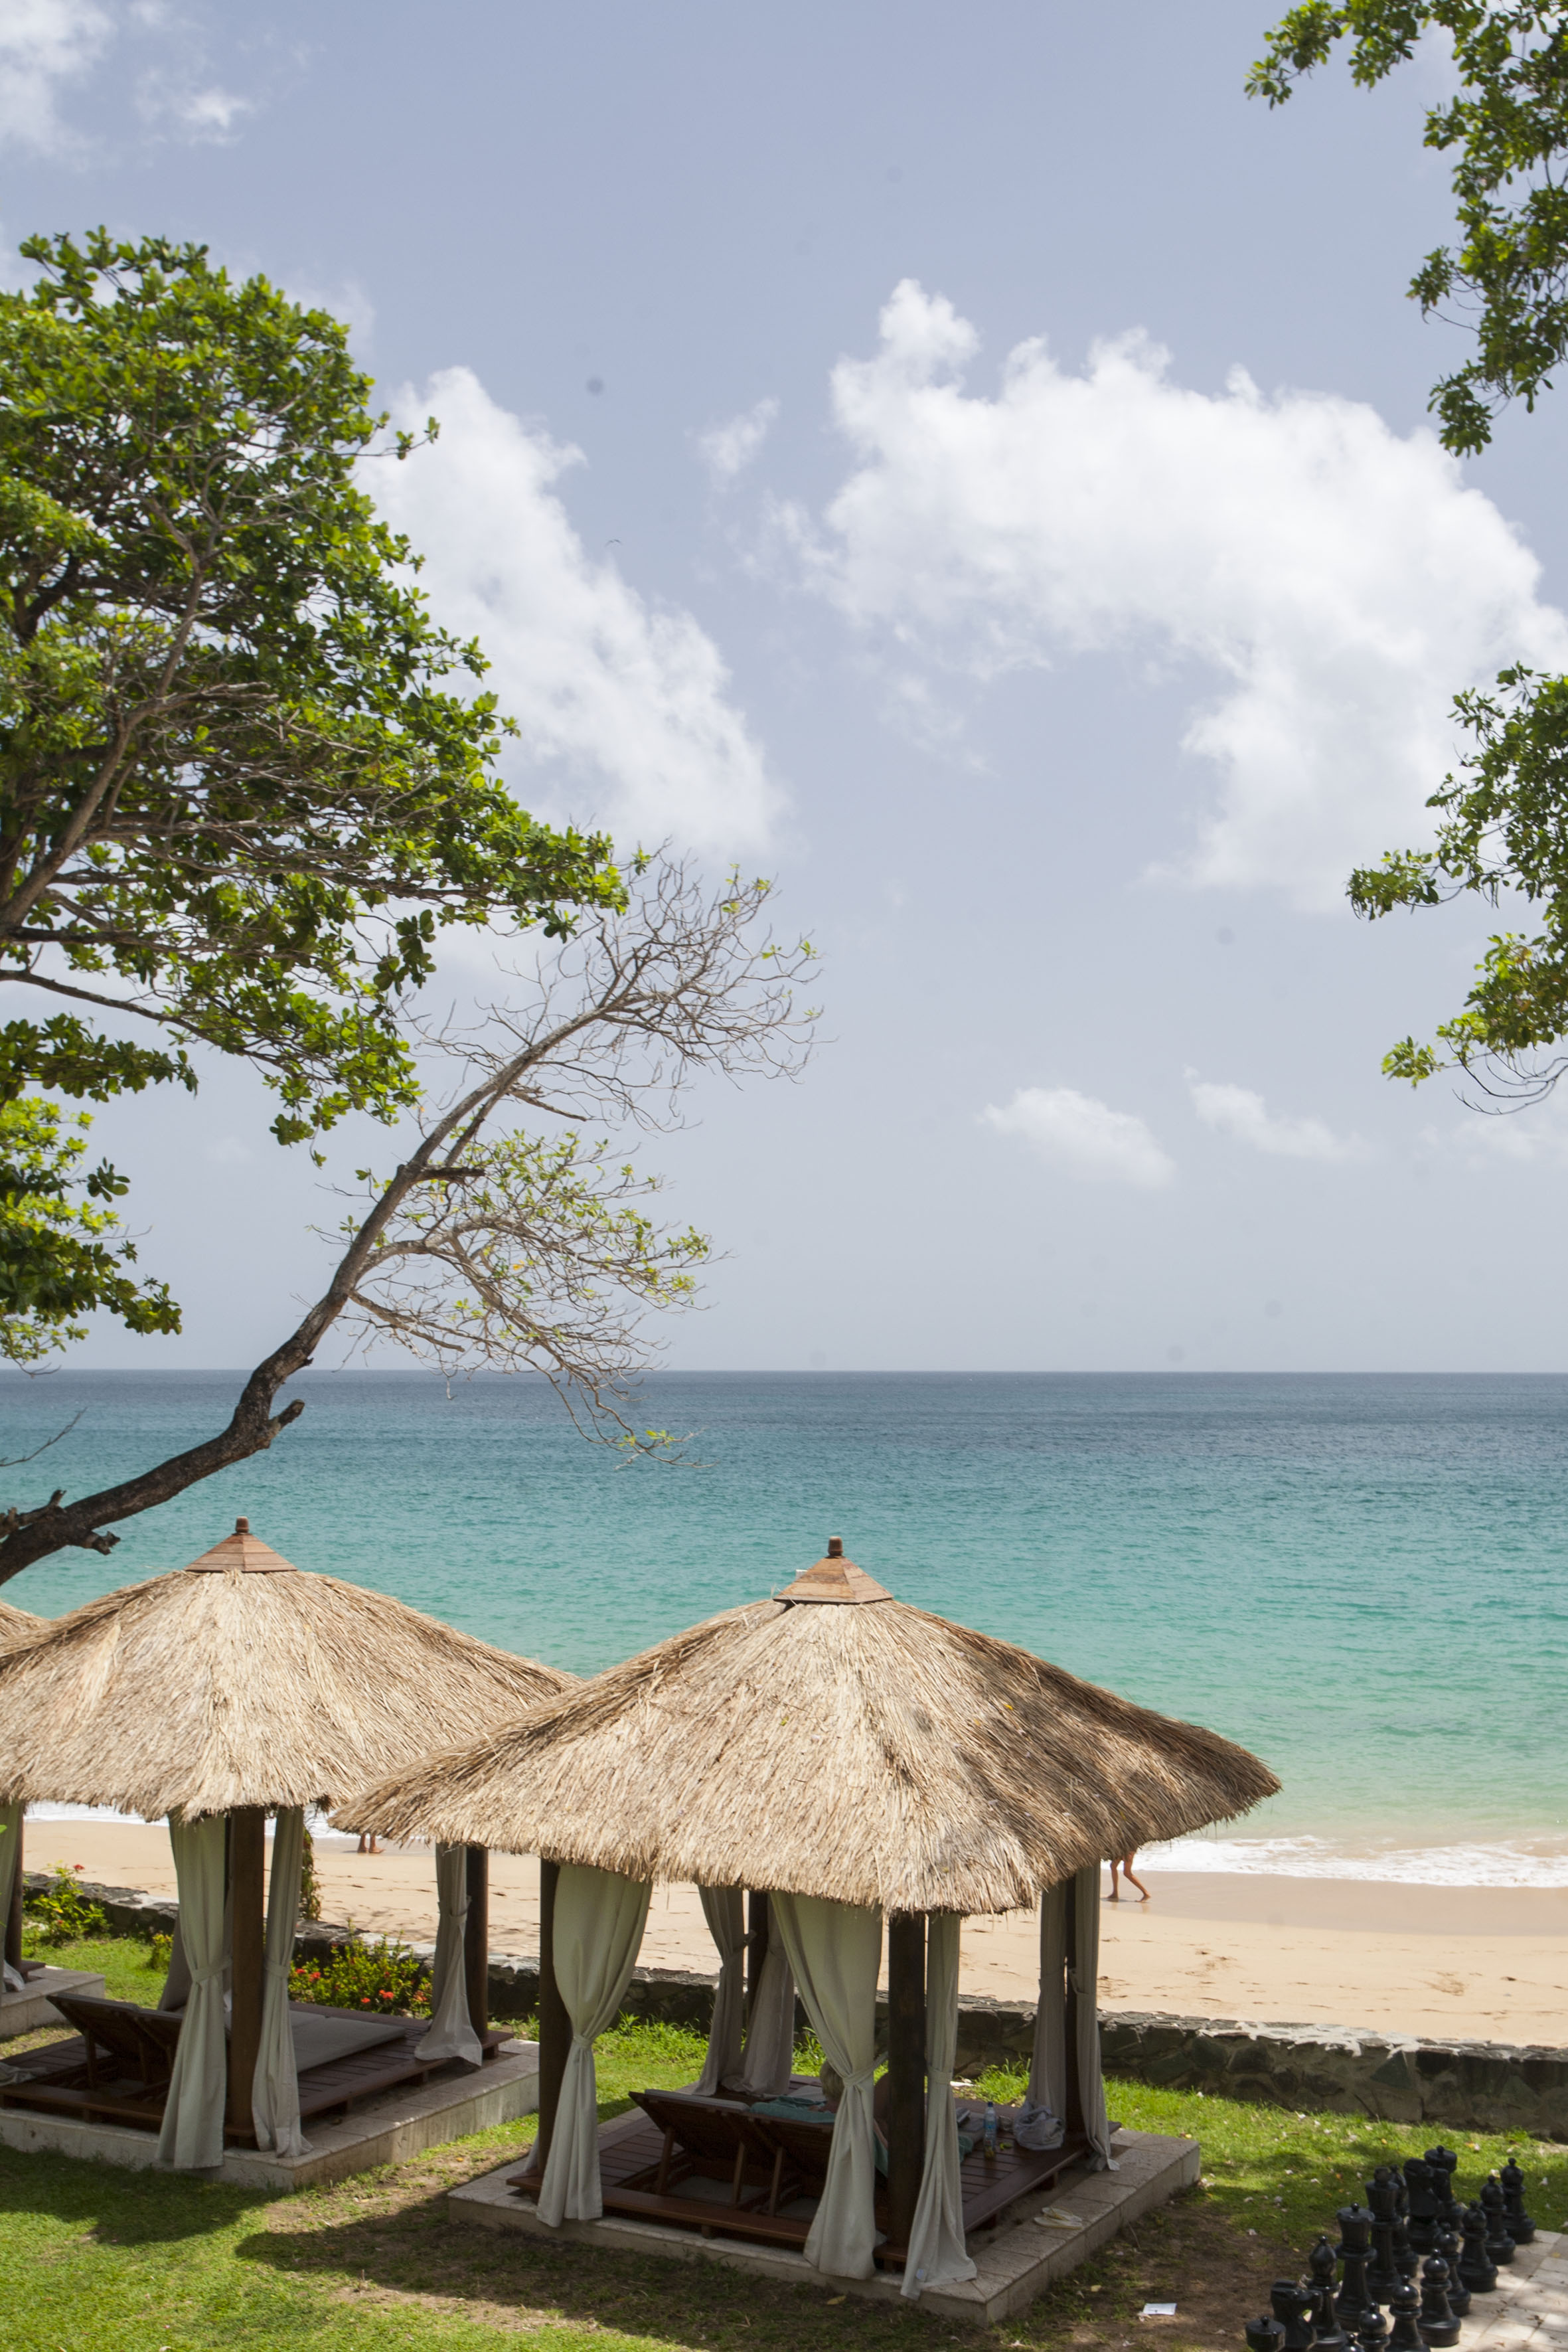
{"x":192,"y":2136}
{"x":723,"y":1909}
{"x":835,"y":1951}
{"x":763,"y":2064}
{"x":10,"y":1846}
{"x":275,"y":2087}
{"x":1048,"y":2074}
{"x":450,"y":2033}
{"x":770,"y":2060}
{"x":598,"y":1922}
{"x":936,"y":2252}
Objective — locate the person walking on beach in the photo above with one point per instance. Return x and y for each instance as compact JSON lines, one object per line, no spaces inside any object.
{"x":1123,"y":1862}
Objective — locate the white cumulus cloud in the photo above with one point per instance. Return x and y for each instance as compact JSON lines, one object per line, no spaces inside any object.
{"x":44,"y":43}
{"x":1337,"y":581}
{"x":1085,"y":1137}
{"x":1245,"y":1117}
{"x":727,"y":449}
{"x":624,"y":708}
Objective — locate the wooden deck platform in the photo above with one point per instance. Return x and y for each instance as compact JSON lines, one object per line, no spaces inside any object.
{"x":712,"y":2167}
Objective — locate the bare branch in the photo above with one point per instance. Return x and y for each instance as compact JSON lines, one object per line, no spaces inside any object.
{"x":493,"y":1247}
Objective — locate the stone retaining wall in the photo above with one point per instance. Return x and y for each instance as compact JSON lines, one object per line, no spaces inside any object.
{"x":1468,"y":2086}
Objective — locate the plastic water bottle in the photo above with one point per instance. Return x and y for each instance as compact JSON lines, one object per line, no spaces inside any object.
{"x":988,"y":2140}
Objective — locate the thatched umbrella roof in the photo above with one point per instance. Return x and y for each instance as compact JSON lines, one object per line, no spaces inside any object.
{"x":241,"y":1681}
{"x":862,"y":1750}
{"x":15,"y":1622}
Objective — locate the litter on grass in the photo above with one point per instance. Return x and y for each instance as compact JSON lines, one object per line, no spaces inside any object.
{"x":1157,"y":2311}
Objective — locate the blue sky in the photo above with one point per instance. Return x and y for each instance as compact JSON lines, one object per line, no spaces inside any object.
{"x":972,"y":464}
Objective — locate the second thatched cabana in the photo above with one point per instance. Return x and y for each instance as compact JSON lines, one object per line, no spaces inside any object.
{"x":843,"y":1756}
{"x":235,"y":1688}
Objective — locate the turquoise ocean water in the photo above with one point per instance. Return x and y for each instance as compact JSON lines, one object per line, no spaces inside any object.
{"x":1360,"y":1578}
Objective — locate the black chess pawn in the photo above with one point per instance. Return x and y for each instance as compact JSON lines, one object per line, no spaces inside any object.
{"x":1354,"y":2306}
{"x":1477,"y":2269}
{"x":1292,"y":2305}
{"x":1422,"y":2221}
{"x":1404,"y":2336}
{"x":1383,"y":2274}
{"x":1448,"y":2248}
{"x":1499,"y":2245}
{"x":1444,"y":2164}
{"x":1521,"y":2228}
{"x":1329,"y":2334}
{"x":1265,"y":2335}
{"x":1439,"y":2323}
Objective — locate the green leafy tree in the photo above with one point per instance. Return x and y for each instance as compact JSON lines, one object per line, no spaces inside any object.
{"x":245,"y":780}
{"x":1503,"y":828}
{"x":246,"y":783}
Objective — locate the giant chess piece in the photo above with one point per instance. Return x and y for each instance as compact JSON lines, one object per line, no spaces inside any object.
{"x":1383,"y":2276}
{"x":1422,"y":2222}
{"x":1439,"y":2325}
{"x":1354,"y":2306}
{"x":1406,"y":2260}
{"x":1404,"y":2336}
{"x":1292,"y":2305}
{"x":1459,"y":2293}
{"x":1499,"y":2245}
{"x":1444,"y":2164}
{"x":1265,"y":2335}
{"x":1477,"y":2269}
{"x":1521,"y":2228}
{"x":1329,"y":2334}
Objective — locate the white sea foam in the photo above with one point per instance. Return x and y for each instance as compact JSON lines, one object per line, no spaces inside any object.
{"x":1455,"y":1863}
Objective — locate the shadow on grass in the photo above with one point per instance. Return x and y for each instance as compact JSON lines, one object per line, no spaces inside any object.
{"x":123,"y":2208}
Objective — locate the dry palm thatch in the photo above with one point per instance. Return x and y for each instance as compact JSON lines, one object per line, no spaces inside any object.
{"x":865,"y":1751}
{"x":241,"y":1681}
{"x":15,"y":1622}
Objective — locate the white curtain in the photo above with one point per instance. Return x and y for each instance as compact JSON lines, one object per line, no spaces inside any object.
{"x":452,"y":2033}
{"x":275,"y":2087}
{"x":1048,"y":2069}
{"x":769,"y":2056}
{"x":598,"y":1922}
{"x":724,"y":1908}
{"x":835,"y":1951}
{"x":10,"y":1846}
{"x":192,"y":2139}
{"x":1047,"y":2076}
{"x":937,"y":2253}
{"x":176,"y":1989}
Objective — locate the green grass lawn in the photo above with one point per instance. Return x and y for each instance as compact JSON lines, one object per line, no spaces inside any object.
{"x":93,"y":2259}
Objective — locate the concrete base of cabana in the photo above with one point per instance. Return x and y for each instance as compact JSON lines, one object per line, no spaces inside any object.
{"x":24,"y":2012}
{"x":387,"y":2129}
{"x":1016,"y":2260}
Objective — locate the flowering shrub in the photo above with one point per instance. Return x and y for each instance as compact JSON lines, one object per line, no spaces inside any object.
{"x":62,"y":1911}
{"x":388,"y":1979}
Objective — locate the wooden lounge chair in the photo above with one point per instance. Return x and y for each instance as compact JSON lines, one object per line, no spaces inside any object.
{"x":119,"y":2065}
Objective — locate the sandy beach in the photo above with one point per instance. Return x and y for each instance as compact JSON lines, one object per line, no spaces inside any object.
{"x":1482,"y":1963}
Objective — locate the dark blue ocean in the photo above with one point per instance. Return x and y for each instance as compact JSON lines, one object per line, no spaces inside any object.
{"x":1360,"y":1578}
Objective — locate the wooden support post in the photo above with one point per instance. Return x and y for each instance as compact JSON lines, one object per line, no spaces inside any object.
{"x":247,"y":1861}
{"x":476,"y":1939}
{"x":555,"y":2026}
{"x":1073,"y":2118}
{"x":14,"y":1911}
{"x":756,"y":1948}
{"x":905,"y":2070}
